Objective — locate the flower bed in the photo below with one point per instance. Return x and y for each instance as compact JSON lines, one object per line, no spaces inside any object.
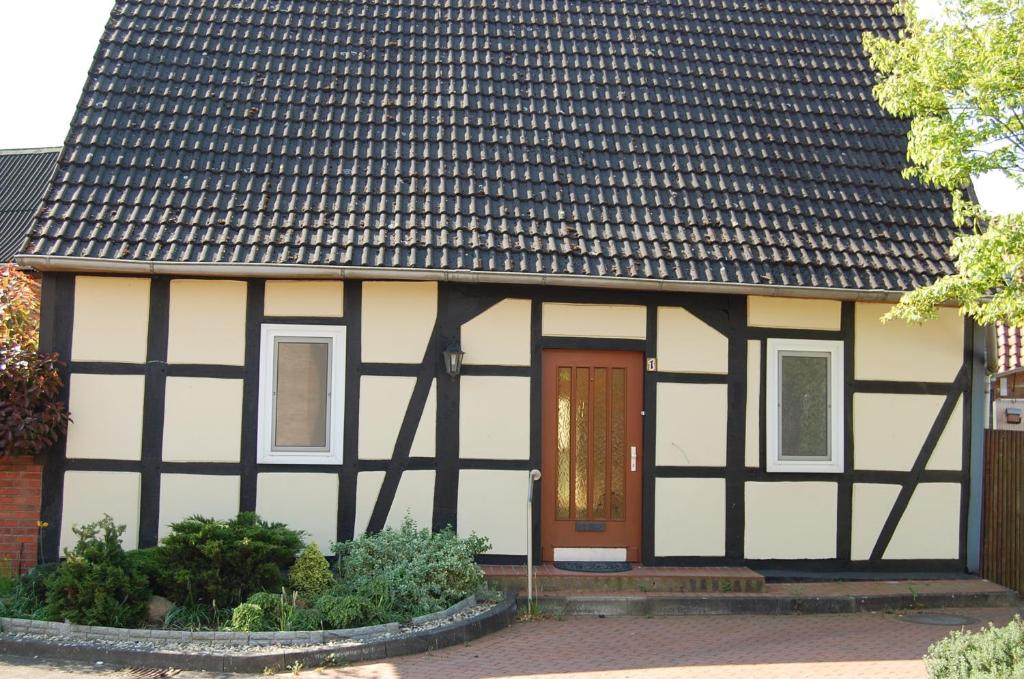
{"x":242,"y":577}
{"x":261,"y":651}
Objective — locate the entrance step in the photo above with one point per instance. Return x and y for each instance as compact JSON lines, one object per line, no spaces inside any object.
{"x":780,"y":599}
{"x":642,"y":579}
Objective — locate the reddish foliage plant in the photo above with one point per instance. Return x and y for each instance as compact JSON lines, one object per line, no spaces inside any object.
{"x":32,"y":417}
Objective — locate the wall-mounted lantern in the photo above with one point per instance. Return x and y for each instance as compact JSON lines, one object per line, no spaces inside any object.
{"x":453,"y":360}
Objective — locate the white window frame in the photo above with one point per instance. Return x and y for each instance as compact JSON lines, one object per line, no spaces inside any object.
{"x":335,"y":338}
{"x":775,"y":462}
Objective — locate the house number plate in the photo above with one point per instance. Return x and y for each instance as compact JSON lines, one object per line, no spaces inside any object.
{"x":589,"y":526}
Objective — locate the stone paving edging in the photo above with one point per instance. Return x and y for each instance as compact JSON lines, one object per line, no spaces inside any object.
{"x":392,"y":643}
{"x":70,"y":630}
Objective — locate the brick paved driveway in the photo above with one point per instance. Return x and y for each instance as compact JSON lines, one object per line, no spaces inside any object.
{"x":712,"y":647}
{"x":790,"y":647}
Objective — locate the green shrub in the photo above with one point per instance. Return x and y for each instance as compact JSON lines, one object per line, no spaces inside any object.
{"x":97,"y":584}
{"x":25,"y":597}
{"x":410,"y":571}
{"x":153,"y":566}
{"x":223,"y":562}
{"x":311,"y":575}
{"x":343,"y":607}
{"x":269,"y":612}
{"x":247,"y":617}
{"x":991,"y":653}
{"x":197,"y":617}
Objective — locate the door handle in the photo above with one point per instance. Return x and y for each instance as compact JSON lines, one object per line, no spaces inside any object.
{"x":632,"y":458}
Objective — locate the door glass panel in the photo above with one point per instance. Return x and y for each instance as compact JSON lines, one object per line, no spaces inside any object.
{"x":803,"y":405}
{"x":600,"y":442}
{"x":564,"y":440}
{"x":582,"y":440}
{"x":300,"y":395}
{"x":618,"y":444}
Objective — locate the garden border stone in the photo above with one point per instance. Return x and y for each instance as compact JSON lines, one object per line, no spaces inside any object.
{"x":371,"y":643}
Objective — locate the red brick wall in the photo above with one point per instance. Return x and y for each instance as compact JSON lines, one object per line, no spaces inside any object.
{"x":20,"y":498}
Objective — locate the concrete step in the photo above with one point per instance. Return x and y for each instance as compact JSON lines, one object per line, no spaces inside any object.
{"x":779,"y":599}
{"x":641,"y":579}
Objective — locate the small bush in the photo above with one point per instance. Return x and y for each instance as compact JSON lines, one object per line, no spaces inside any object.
{"x":197,"y":617}
{"x":223,"y":562}
{"x":25,"y":597}
{"x":269,"y":612}
{"x":341,"y":609}
{"x":992,"y":653}
{"x":411,"y":571}
{"x":97,"y":584}
{"x":311,"y":575}
{"x":247,"y":617}
{"x":150,"y":562}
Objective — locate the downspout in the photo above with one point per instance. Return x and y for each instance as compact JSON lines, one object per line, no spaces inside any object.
{"x":984,"y":336}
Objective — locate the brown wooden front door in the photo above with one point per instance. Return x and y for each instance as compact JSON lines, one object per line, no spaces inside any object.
{"x":592,"y":457}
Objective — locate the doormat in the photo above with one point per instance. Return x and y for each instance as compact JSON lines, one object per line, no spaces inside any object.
{"x":593,"y":566}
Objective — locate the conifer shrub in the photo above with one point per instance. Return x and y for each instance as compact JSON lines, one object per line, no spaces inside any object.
{"x":218,"y":562}
{"x":97,"y":584}
{"x":311,"y":575}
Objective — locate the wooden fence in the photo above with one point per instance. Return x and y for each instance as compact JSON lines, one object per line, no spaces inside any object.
{"x":1002,"y":557}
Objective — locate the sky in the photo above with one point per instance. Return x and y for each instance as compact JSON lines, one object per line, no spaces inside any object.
{"x":46,"y":47}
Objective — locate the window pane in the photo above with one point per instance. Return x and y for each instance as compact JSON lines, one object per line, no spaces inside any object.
{"x":582,"y":425}
{"x":618,"y":441}
{"x":564,"y":439}
{"x":300,"y":400}
{"x":803,"y":404}
{"x":600,"y":441}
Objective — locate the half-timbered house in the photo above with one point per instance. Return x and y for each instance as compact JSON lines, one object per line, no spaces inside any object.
{"x":339,"y":262}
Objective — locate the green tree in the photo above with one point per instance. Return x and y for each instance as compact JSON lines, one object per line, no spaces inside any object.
{"x":960,"y":81}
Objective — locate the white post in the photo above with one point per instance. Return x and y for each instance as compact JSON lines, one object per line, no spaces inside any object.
{"x":534,"y":476}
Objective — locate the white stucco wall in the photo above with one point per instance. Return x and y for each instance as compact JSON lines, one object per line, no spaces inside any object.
{"x":689,"y":517}
{"x":304,"y":501}
{"x":752,"y":430}
{"x":872,"y":503}
{"x":185,"y":495}
{"x":489,"y":405}
{"x":207,"y":322}
{"x":594,"y":320}
{"x":930,"y":352}
{"x":790,"y":520}
{"x":397,"y":320}
{"x":930,"y":528}
{"x":691,"y":425}
{"x":304,"y":298}
{"x":383,"y":401}
{"x":202,"y":420}
{"x":493,"y":504}
{"x":890,"y":429}
{"x":88,"y":495}
{"x":687,"y":344}
{"x":106,"y":412}
{"x":787,"y":312}
{"x":111,"y":319}
{"x":499,"y":336}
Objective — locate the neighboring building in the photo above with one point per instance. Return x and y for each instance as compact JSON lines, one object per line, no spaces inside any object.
{"x":24,"y":176}
{"x":1007,"y":390}
{"x":662,"y":234}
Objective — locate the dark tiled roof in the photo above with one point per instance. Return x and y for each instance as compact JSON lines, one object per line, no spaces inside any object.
{"x":24,"y":174}
{"x":676,"y":140}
